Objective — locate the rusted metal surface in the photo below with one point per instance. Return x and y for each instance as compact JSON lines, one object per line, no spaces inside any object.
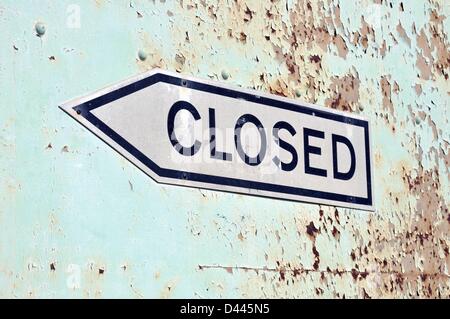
{"x":78,"y":220}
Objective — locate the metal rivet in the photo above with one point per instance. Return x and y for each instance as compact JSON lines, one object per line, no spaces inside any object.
{"x":142,"y":55}
{"x":40,"y":29}
{"x":225,"y":75}
{"x":298,"y":93}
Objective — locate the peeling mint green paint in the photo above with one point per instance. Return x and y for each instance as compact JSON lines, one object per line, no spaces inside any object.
{"x":68,"y":200}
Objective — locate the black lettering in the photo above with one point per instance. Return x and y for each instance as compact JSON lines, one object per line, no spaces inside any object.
{"x":285,"y":145}
{"x":176,"y":107}
{"x":248,"y":118}
{"x":343,"y":140}
{"x":312,"y":150}
{"x":212,"y":139}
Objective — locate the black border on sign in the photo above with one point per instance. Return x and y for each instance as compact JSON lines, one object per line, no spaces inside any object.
{"x":85,"y":110}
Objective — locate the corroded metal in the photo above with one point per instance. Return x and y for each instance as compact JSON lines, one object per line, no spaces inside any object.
{"x":78,"y":220}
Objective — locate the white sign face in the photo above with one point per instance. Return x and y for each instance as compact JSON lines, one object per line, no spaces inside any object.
{"x":185,"y":131}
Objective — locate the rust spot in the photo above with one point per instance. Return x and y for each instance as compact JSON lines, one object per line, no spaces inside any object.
{"x":180,"y":60}
{"x":243,"y":37}
{"x":346,"y":93}
{"x":403,"y":34}
{"x":279,"y":87}
{"x":282,"y":274}
{"x":424,"y":67}
{"x":339,"y":42}
{"x":248,"y":14}
{"x":396,"y":87}
{"x":315,"y":58}
{"x":438,"y":44}
{"x":399,"y":279}
{"x":316,"y":258}
{"x":386,"y":92}
{"x":336,"y":233}
{"x":383,"y":49}
{"x":365,"y":32}
{"x":322,"y":275}
{"x":311,"y":230}
{"x":336,"y":216}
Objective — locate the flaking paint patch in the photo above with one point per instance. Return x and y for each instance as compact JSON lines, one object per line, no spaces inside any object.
{"x":388,"y":61}
{"x":346,"y":89}
{"x":386,"y":91}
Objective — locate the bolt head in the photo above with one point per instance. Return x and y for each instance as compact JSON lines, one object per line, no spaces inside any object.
{"x":225,"y":75}
{"x":142,"y":55}
{"x":40,"y":29}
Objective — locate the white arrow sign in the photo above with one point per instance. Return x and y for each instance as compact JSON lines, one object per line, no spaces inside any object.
{"x":191,"y":132}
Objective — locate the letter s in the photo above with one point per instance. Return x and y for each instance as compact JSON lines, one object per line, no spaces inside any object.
{"x":285,"y":145}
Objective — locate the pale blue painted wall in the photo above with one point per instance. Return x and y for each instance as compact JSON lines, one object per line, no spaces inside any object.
{"x":67,"y":199}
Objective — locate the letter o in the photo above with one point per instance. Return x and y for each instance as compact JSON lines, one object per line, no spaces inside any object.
{"x":249,"y":118}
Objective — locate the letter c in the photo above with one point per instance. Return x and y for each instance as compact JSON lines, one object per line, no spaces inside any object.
{"x":176,"y":107}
